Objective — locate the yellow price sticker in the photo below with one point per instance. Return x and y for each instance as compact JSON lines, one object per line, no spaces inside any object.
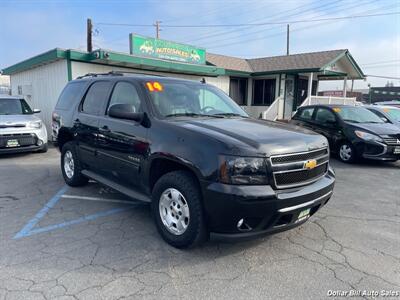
{"x":337,"y":109}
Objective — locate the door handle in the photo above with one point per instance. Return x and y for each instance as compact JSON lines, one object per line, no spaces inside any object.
{"x":105,"y":129}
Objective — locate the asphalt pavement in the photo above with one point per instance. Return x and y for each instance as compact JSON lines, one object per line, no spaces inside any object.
{"x":58,"y":242}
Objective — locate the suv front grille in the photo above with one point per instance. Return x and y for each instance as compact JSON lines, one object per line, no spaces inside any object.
{"x":24,"y":139}
{"x":392,"y":140}
{"x":289,"y":170}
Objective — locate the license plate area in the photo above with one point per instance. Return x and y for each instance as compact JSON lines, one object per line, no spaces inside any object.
{"x":12,"y":143}
{"x":303,"y":215}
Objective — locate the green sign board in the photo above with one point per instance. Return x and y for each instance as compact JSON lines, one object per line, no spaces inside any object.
{"x":151,"y":47}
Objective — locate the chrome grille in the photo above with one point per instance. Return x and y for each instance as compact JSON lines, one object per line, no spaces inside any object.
{"x":289,"y":169}
{"x":392,"y":140}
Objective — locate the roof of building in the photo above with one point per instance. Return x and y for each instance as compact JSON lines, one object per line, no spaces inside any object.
{"x":216,"y":64}
{"x":312,"y":60}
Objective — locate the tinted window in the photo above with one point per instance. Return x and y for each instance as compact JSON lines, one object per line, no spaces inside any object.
{"x":394,"y":113}
{"x":324,"y":116}
{"x":125,"y":93}
{"x":264,"y":91}
{"x":305,"y":114}
{"x":95,"y":97}
{"x":238,"y":90}
{"x":70,"y":94}
{"x":14,"y":107}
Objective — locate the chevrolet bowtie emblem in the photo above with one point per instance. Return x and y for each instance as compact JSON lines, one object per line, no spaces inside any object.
{"x":310,"y":164}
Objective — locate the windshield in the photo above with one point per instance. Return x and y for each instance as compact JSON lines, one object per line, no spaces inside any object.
{"x":14,"y":107}
{"x":357,"y":115}
{"x":393,"y":113}
{"x":175,"y":99}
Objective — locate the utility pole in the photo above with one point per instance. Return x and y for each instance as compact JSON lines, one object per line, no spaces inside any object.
{"x":287,"y":39}
{"x":157,"y":24}
{"x":89,"y":31}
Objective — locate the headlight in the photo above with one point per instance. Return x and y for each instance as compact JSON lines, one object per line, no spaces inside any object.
{"x":368,"y":136}
{"x":243,"y":170}
{"x":35,"y":124}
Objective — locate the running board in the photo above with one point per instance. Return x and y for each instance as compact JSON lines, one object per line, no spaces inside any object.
{"x":116,"y":186}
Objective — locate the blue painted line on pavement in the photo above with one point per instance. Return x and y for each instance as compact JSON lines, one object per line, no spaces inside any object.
{"x":29,"y":230}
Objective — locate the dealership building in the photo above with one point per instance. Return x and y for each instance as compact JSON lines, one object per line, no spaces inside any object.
{"x":267,"y":87}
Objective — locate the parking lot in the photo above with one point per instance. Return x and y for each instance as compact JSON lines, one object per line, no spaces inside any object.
{"x":93,"y":243}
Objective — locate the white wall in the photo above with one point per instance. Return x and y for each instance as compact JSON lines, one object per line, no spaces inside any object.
{"x":41,"y":87}
{"x":81,"y":68}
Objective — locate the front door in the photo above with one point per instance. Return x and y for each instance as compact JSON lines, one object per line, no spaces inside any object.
{"x":289,"y":97}
{"x":326,"y":124}
{"x":122,"y":144}
{"x":86,"y":122}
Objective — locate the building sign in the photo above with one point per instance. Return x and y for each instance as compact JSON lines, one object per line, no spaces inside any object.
{"x":151,"y":47}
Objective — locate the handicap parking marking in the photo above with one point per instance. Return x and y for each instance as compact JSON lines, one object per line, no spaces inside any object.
{"x":29,"y":230}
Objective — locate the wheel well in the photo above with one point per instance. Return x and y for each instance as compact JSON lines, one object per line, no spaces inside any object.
{"x":63,"y":137}
{"x":161,"y":166}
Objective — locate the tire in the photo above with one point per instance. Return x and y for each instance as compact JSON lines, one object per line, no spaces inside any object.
{"x":44,"y":148}
{"x":182,"y":201}
{"x":347,"y":153}
{"x":72,"y":173}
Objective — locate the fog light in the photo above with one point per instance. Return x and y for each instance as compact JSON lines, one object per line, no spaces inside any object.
{"x":242,"y":226}
{"x":40,"y":142}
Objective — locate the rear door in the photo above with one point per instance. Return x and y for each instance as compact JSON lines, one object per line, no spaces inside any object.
{"x":304,"y":117}
{"x":122,"y":144}
{"x":86,"y":121}
{"x":326,"y":123}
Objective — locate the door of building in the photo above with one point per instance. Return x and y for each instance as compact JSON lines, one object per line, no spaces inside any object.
{"x":289,"y":96}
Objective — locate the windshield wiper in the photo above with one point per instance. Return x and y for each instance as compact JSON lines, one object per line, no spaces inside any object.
{"x":230,"y":115}
{"x":351,"y":121}
{"x":191,"y":115}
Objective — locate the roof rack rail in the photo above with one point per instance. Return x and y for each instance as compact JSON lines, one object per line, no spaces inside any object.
{"x":117,"y":73}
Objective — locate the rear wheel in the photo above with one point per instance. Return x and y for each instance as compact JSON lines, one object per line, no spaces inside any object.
{"x":71,"y":166}
{"x":177,"y":210}
{"x":347,"y":153}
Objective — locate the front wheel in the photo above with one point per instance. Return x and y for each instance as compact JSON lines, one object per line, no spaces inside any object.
{"x":347,"y":153}
{"x":177,"y":210}
{"x":71,"y":166}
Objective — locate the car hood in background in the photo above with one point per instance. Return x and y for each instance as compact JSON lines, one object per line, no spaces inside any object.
{"x":268,"y":138}
{"x":16,"y":120}
{"x":377,"y":128}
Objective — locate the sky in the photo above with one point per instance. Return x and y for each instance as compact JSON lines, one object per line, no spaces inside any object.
{"x":28,"y":28}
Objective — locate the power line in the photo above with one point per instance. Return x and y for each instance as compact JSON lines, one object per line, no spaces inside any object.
{"x":381,"y":62}
{"x":252,"y":24}
{"x":386,"y":77}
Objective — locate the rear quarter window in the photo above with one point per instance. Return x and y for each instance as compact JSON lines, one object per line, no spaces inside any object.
{"x":70,"y":95}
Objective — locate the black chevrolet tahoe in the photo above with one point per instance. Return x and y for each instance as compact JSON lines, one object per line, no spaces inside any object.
{"x":188,"y":149}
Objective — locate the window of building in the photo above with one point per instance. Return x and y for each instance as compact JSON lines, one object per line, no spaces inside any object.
{"x":125,"y":93}
{"x":264,"y":91}
{"x":95,"y":97}
{"x":238,"y":90}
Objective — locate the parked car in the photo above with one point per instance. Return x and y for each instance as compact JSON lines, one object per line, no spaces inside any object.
{"x":388,"y":114}
{"x":20,"y":129}
{"x":352,"y":131}
{"x":191,"y":151}
{"x":395,"y":103}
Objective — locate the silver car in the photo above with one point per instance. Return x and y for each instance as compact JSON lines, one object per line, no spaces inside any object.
{"x":389,"y":114}
{"x":20,"y":129}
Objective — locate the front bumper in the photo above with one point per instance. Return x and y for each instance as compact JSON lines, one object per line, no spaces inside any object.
{"x":377,"y":151}
{"x":263,"y":210}
{"x":39,"y":137}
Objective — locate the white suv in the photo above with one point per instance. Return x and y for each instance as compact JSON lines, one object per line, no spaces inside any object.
{"x":20,"y":129}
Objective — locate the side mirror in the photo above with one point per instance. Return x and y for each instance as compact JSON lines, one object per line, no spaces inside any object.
{"x":125,"y":111}
{"x":36,"y":111}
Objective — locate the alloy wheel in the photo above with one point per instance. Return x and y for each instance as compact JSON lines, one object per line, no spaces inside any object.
{"x":69,"y":164}
{"x":174,"y":211}
{"x":345,"y":152}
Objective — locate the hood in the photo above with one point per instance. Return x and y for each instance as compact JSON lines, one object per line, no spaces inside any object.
{"x":10,"y":120}
{"x":265,"y":137}
{"x":377,"y":128}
